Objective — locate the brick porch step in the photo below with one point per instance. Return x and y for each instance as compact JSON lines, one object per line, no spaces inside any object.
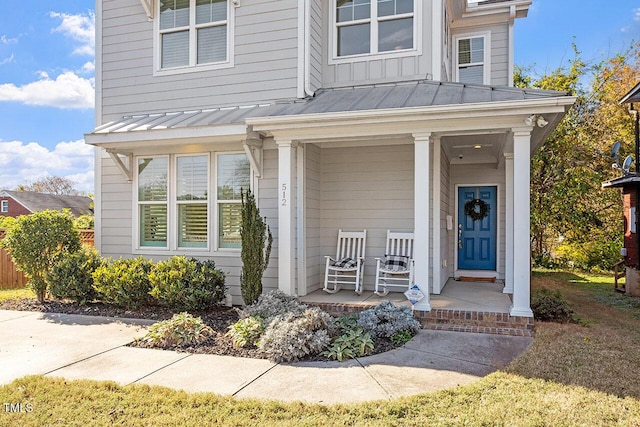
{"x":450,"y":320}
{"x":476,"y":321}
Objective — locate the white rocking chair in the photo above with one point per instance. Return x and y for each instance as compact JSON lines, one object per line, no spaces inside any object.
{"x":396,"y":268}
{"x":347,"y":268}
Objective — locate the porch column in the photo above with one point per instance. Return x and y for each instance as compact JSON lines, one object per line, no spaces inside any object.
{"x":436,"y":225}
{"x":286,"y":242}
{"x":508,"y":270}
{"x":521,"y":223}
{"x":421,"y":217}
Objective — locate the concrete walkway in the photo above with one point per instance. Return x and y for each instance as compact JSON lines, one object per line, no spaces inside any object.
{"x":89,"y":347}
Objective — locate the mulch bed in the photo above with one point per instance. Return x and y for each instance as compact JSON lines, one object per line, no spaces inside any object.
{"x":218,"y":318}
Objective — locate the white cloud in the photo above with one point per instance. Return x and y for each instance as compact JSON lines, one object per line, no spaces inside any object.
{"x":22,"y":163}
{"x":6,"y":40}
{"x":88,"y":68}
{"x":67,"y":91}
{"x":81,"y":28}
{"x":7,"y":60}
{"x":636,"y":14}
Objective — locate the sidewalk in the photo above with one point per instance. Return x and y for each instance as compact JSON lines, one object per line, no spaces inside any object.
{"x":89,"y":347}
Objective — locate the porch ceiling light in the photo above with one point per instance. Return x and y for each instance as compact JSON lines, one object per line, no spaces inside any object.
{"x":477,"y":146}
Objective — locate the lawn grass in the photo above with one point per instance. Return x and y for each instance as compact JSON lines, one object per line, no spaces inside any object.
{"x":572,"y":375}
{"x":16,"y":293}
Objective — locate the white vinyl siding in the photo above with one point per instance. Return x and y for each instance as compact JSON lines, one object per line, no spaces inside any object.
{"x":193,"y":32}
{"x":263,"y":52}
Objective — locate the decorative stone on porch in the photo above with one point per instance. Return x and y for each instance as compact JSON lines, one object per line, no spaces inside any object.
{"x":461,"y":307}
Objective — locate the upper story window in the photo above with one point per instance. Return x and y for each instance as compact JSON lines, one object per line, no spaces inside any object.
{"x":193,"y":32}
{"x":472,"y":64}
{"x":365,"y":27}
{"x":4,"y":206}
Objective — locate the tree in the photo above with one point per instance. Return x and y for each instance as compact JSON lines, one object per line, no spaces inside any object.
{"x":567,"y":202}
{"x":51,"y":185}
{"x":34,"y":241}
{"x":254,"y":231}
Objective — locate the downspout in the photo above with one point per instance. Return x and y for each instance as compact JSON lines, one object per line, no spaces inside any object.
{"x":301,"y":49}
{"x":637,"y":132}
{"x":512,"y":18}
{"x":307,"y":48}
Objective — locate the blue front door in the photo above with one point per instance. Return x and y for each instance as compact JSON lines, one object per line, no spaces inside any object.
{"x":477,"y":237}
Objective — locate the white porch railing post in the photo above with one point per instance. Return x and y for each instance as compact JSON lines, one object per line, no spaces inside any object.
{"x":508,"y":271}
{"x":286,"y":230}
{"x":421,"y":217}
{"x":521,"y":305}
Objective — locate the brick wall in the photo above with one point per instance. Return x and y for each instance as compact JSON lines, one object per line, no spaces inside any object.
{"x":15,"y":208}
{"x":630,"y":239}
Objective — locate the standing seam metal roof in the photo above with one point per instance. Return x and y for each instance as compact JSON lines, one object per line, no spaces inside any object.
{"x":421,"y":93}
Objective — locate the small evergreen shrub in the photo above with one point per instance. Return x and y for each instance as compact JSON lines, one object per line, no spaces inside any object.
{"x":183,"y":283}
{"x":550,"y":306}
{"x":246,"y":331}
{"x":401,"y":338}
{"x":352,"y":343}
{"x":292,"y":336}
{"x":182,"y":329}
{"x":72,"y":275}
{"x":124,"y":282}
{"x":272,"y":304}
{"x":35,"y":241}
{"x":386,"y":320}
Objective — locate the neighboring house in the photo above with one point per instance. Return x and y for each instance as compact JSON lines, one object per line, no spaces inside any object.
{"x":16,"y":203}
{"x":381,"y":114}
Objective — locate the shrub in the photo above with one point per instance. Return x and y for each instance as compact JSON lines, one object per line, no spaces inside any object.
{"x":183,"y":283}
{"x":272,"y":304}
{"x":6,"y":221}
{"x":71,"y":275}
{"x":124,"y":282}
{"x":84,"y":222}
{"x":255,"y":257}
{"x":600,"y":254}
{"x":386,"y":320}
{"x":34,"y":241}
{"x":292,"y":336}
{"x":550,"y":306}
{"x":246,"y":331}
{"x":352,"y":343}
{"x":182,"y":329}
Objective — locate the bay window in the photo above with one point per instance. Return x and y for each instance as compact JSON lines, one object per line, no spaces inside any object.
{"x":373,"y":26}
{"x":174,"y":205}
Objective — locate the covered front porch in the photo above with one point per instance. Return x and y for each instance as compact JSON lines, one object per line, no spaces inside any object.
{"x":400,"y":168}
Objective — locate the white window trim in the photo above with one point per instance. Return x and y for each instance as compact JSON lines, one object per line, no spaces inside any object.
{"x":4,"y":206}
{"x":417,"y":36}
{"x":193,"y":66}
{"x":172,"y":209}
{"x":486,"y":78}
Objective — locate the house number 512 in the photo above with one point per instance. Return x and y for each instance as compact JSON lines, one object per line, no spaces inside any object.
{"x":284,"y":195}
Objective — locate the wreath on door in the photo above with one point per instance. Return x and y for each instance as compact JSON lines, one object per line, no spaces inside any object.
{"x":477,"y":209}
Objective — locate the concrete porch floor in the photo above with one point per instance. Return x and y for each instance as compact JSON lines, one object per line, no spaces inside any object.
{"x":468,"y":296}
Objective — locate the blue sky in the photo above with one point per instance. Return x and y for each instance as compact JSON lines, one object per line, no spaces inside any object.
{"x":47,"y":77}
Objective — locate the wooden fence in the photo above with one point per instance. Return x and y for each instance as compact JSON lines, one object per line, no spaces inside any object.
{"x":10,"y":277}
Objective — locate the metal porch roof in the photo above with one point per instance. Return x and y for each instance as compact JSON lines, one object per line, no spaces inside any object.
{"x":422,"y":93}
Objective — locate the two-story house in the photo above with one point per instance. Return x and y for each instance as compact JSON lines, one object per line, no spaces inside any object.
{"x":339,"y":114}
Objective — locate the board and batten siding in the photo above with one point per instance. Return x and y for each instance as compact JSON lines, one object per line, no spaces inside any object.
{"x":265,"y":62}
{"x":365,"y":188}
{"x":376,"y":68}
{"x":479,"y":175}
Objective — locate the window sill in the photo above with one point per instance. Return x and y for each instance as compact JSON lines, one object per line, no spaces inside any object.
{"x":192,"y":69}
{"x":374,"y":56}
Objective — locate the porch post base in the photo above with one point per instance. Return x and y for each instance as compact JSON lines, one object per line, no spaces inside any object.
{"x":422,"y":306}
{"x":520,"y":311}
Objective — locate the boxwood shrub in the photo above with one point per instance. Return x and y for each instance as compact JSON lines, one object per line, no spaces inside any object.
{"x":124,"y":282}
{"x":72,"y":275}
{"x":182,"y":283}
